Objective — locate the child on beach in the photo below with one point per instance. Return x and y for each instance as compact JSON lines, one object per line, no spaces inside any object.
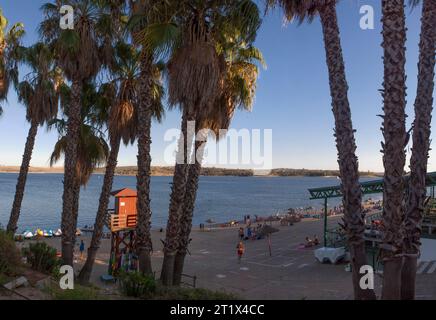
{"x":241,"y":233}
{"x":240,"y":250}
{"x":82,"y":249}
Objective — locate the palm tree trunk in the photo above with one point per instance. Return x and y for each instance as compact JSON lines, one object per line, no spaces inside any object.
{"x":194,"y":171}
{"x":178,"y":189}
{"x":348,"y":164}
{"x":394,"y":132}
{"x":22,"y":177}
{"x":73,"y":128}
{"x":76,"y":200}
{"x":421,"y":145}
{"x":100,"y":219}
{"x":144,"y":244}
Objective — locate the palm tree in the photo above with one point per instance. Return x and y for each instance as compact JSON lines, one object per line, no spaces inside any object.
{"x":421,"y":145}
{"x":344,"y":133}
{"x":92,"y":147}
{"x":93,"y":152}
{"x":393,"y":148}
{"x":149,"y":31}
{"x":80,"y":53}
{"x":238,"y":90}
{"x":38,"y":93}
{"x":122,"y":124}
{"x":9,"y":55}
{"x":195,"y":73}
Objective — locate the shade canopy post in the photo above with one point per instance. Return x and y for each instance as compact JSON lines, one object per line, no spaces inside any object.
{"x":325,"y":222}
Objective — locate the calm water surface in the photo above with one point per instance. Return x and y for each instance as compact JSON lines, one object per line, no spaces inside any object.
{"x":219,"y":198}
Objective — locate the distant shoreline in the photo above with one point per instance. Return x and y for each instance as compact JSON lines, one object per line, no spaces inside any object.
{"x":206,"y":171}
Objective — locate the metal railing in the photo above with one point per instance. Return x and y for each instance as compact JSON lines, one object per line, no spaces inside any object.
{"x":193,"y":278}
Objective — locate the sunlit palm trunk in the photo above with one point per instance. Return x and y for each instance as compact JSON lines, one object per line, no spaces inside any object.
{"x":73,"y":127}
{"x":194,"y":171}
{"x":421,"y":145}
{"x":346,"y":146}
{"x":100,"y":219}
{"x":394,"y":132}
{"x":76,"y":201}
{"x":22,"y":177}
{"x":144,"y":244}
{"x":3,"y":88}
{"x":178,"y":189}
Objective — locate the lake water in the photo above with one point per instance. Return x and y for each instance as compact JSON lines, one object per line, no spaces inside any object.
{"x":219,"y":198}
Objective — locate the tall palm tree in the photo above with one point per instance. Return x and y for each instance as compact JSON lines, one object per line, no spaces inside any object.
{"x":9,"y":55}
{"x":38,"y":93}
{"x":93,"y":152}
{"x":354,"y":224}
{"x":79,"y":53}
{"x":393,"y":148}
{"x":238,"y":89}
{"x":195,"y":73}
{"x":149,"y":31}
{"x":122,"y":124}
{"x":421,"y":145}
{"x":93,"y":149}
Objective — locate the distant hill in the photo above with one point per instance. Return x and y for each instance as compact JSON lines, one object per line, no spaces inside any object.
{"x":14,"y":169}
{"x":206,"y":171}
{"x":284,"y":172}
{"x":168,"y":171}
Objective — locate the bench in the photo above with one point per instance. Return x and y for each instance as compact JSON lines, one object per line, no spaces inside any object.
{"x":107,"y":278}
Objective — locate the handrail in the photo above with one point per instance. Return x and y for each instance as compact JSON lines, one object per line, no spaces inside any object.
{"x":194,"y":280}
{"x":118,"y":222}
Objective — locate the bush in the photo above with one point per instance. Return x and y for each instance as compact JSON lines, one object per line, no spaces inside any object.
{"x":168,"y":293}
{"x":135,"y":284}
{"x":10,"y":258}
{"x":41,"y":257}
{"x":78,"y":293}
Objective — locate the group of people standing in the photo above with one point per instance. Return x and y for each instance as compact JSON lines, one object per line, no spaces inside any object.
{"x":247,"y":233}
{"x":250,"y":233}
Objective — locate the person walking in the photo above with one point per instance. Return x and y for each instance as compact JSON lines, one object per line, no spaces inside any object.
{"x":241,"y":233}
{"x":82,"y":249}
{"x":240,"y":250}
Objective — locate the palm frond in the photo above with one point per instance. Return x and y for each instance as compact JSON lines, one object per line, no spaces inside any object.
{"x":159,"y":39}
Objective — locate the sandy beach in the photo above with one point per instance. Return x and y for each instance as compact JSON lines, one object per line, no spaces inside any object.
{"x":290,"y":273}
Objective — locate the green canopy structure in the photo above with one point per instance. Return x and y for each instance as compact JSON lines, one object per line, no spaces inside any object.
{"x":367,"y":187}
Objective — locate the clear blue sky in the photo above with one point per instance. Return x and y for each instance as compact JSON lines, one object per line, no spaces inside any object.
{"x":292,"y":97}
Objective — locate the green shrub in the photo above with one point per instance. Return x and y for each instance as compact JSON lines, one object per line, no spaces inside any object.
{"x":10,"y":258}
{"x":41,"y":257}
{"x":168,"y":293}
{"x":78,"y":293}
{"x":4,"y":279}
{"x":135,"y":284}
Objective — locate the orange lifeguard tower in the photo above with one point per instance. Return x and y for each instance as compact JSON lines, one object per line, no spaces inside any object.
{"x":124,"y":214}
{"x":122,"y":223}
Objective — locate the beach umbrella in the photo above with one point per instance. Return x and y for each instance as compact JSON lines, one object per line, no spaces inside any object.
{"x":266,"y":231}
